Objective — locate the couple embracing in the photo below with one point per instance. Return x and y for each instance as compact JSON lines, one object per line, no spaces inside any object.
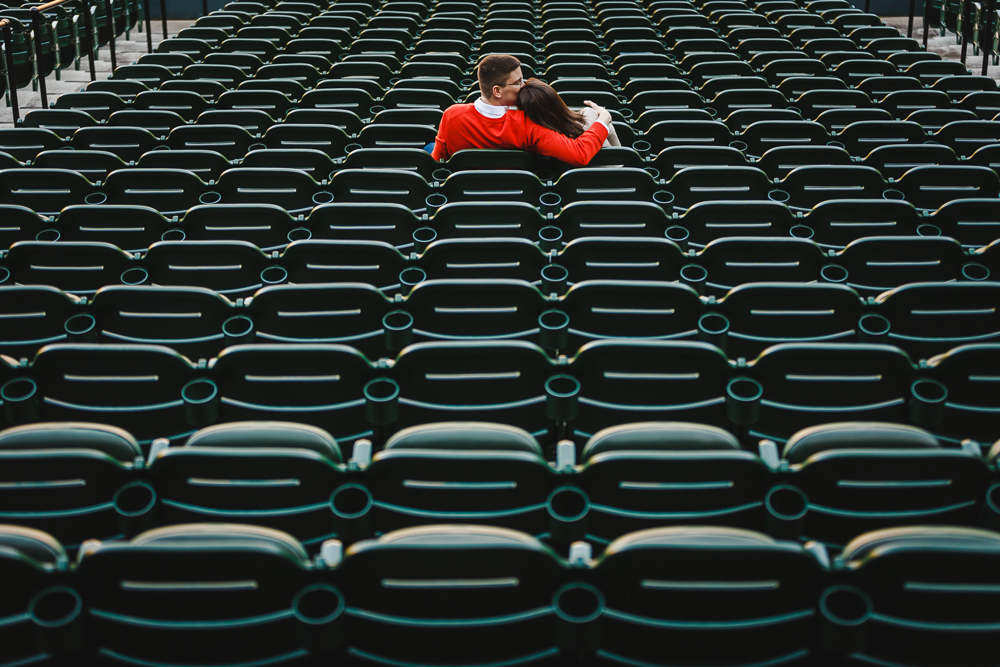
{"x":527,"y":115}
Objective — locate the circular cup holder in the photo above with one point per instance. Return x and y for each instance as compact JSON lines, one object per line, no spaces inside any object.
{"x":562,"y":393}
{"x":4,"y":275}
{"x":786,"y":503}
{"x":80,"y":327}
{"x":929,"y":230}
{"x":549,"y":238}
{"x":237,"y":328}
{"x":441,"y":174}
{"x":779,"y":196}
{"x":975,"y":271}
{"x":318,"y":610}
{"x":322,"y":197}
{"x":95,"y":198}
{"x":134,"y":499}
{"x":743,"y":396}
{"x":435,"y":201}
{"x":423,"y":237}
{"x":201,"y":402}
{"x":410,"y":278}
{"x":642,"y":147}
{"x":375,"y":110}
{"x":653,"y":172}
{"x":554,"y":277}
{"x":351,"y":501}
{"x":550,"y":201}
{"x":741,"y":146}
{"x":836,"y":144}
{"x":677,"y":234}
{"x":712,"y":328}
{"x":693,"y":274}
{"x":929,"y":391}
{"x":256,"y":147}
{"x":55,"y":607}
{"x":833,"y":273}
{"x":567,"y":507}
{"x":554,"y":329}
{"x":663,"y":197}
{"x":927,"y":402}
{"x":210,"y":197}
{"x":175,"y":234}
{"x":20,"y":400}
{"x":615,"y":83}
{"x":398,"y":329}
{"x":299,"y":234}
{"x":350,"y":148}
{"x":627,"y":114}
{"x":801,"y":232}
{"x":48,"y":235}
{"x":382,"y":401}
{"x":873,"y":326}
{"x":273,"y":275}
{"x":578,"y":603}
{"x":893,"y":195}
{"x":134,"y":276}
{"x":398,"y":320}
{"x":318,"y":604}
{"x":467,"y":83}
{"x":845,"y":605}
{"x":553,"y":320}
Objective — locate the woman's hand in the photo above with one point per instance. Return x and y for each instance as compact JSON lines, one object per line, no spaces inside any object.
{"x":603,"y":114}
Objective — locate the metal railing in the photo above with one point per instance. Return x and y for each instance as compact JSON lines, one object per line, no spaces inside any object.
{"x":8,"y":47}
{"x":36,"y":25}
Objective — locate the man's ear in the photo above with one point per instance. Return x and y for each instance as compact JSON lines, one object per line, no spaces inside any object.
{"x":497,"y":92}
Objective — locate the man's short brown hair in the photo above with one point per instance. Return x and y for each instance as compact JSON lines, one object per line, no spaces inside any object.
{"x":494,"y":70}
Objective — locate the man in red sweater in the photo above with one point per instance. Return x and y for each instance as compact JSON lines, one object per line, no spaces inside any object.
{"x":493,"y":122}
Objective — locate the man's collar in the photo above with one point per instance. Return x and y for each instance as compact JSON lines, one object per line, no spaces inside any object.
{"x":489,"y":110}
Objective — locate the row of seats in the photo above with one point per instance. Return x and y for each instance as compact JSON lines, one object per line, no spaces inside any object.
{"x":830,"y":483}
{"x":211,"y":594}
{"x":237,"y":269}
{"x":173,"y":191}
{"x":153,"y":392}
{"x":832,"y":224}
{"x":923,"y":319}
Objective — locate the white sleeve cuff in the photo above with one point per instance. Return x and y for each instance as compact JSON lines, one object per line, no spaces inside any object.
{"x":602,"y":123}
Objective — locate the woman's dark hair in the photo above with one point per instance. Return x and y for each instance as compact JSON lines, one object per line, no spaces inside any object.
{"x":544,"y":107}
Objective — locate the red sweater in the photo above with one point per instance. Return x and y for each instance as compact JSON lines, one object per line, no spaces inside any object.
{"x":462,"y":126}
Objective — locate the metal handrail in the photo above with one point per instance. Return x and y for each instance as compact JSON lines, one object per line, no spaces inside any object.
{"x":36,"y":13}
{"x":8,"y":41}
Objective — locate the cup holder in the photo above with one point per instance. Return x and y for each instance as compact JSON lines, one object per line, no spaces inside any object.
{"x":741,"y":146}
{"x":712,"y":328}
{"x":627,"y":114}
{"x":663,"y":198}
{"x":4,"y":275}
{"x":237,"y":330}
{"x":56,"y":615}
{"x":743,"y":396}
{"x":927,"y":402}
{"x":201,"y":402}
{"x":844,"y":615}
{"x":299,"y":234}
{"x":423,"y":237}
{"x":80,"y":328}
{"x":642,"y":147}
{"x":549,"y":202}
{"x":801,"y":232}
{"x":975,"y":271}
{"x":554,"y":277}
{"x":322,"y":197}
{"x":550,"y":238}
{"x":873,"y":328}
{"x":410,"y":278}
{"x":927,"y":229}
{"x":694,"y":276}
{"x":48,"y":235}
{"x":134,"y":276}
{"x":398,"y":330}
{"x":434,"y":201}
{"x":210,"y":197}
{"x":175,"y":234}
{"x":441,"y":174}
{"x":893,"y":195}
{"x":562,"y":395}
{"x":273,"y":275}
{"x":256,"y":147}
{"x":134,"y":504}
{"x":95,"y":198}
{"x":779,"y":196}
{"x":833,"y":273}
{"x":350,"y":148}
{"x":20,"y":400}
{"x":351,"y":501}
{"x":578,"y":609}
{"x":653,"y":172}
{"x":382,"y":401}
{"x":553,"y":326}
{"x":786,"y":508}
{"x":318,"y":610}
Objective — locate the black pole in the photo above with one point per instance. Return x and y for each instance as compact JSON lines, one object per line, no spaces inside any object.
{"x":163,"y":17}
{"x":149,"y":28}
{"x":111,"y":26}
{"x":88,"y":21}
{"x":868,"y":6}
{"x":204,"y":7}
{"x":37,"y":28}
{"x":988,"y":47}
{"x":913,"y":8}
{"x":11,"y":81}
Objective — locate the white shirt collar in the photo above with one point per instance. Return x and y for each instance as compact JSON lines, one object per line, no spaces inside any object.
{"x":489,"y":110}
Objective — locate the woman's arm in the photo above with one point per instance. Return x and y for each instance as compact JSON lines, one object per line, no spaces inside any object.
{"x":577,"y":152}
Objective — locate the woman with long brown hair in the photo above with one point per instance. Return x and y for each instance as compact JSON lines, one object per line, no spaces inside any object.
{"x":544,"y":107}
